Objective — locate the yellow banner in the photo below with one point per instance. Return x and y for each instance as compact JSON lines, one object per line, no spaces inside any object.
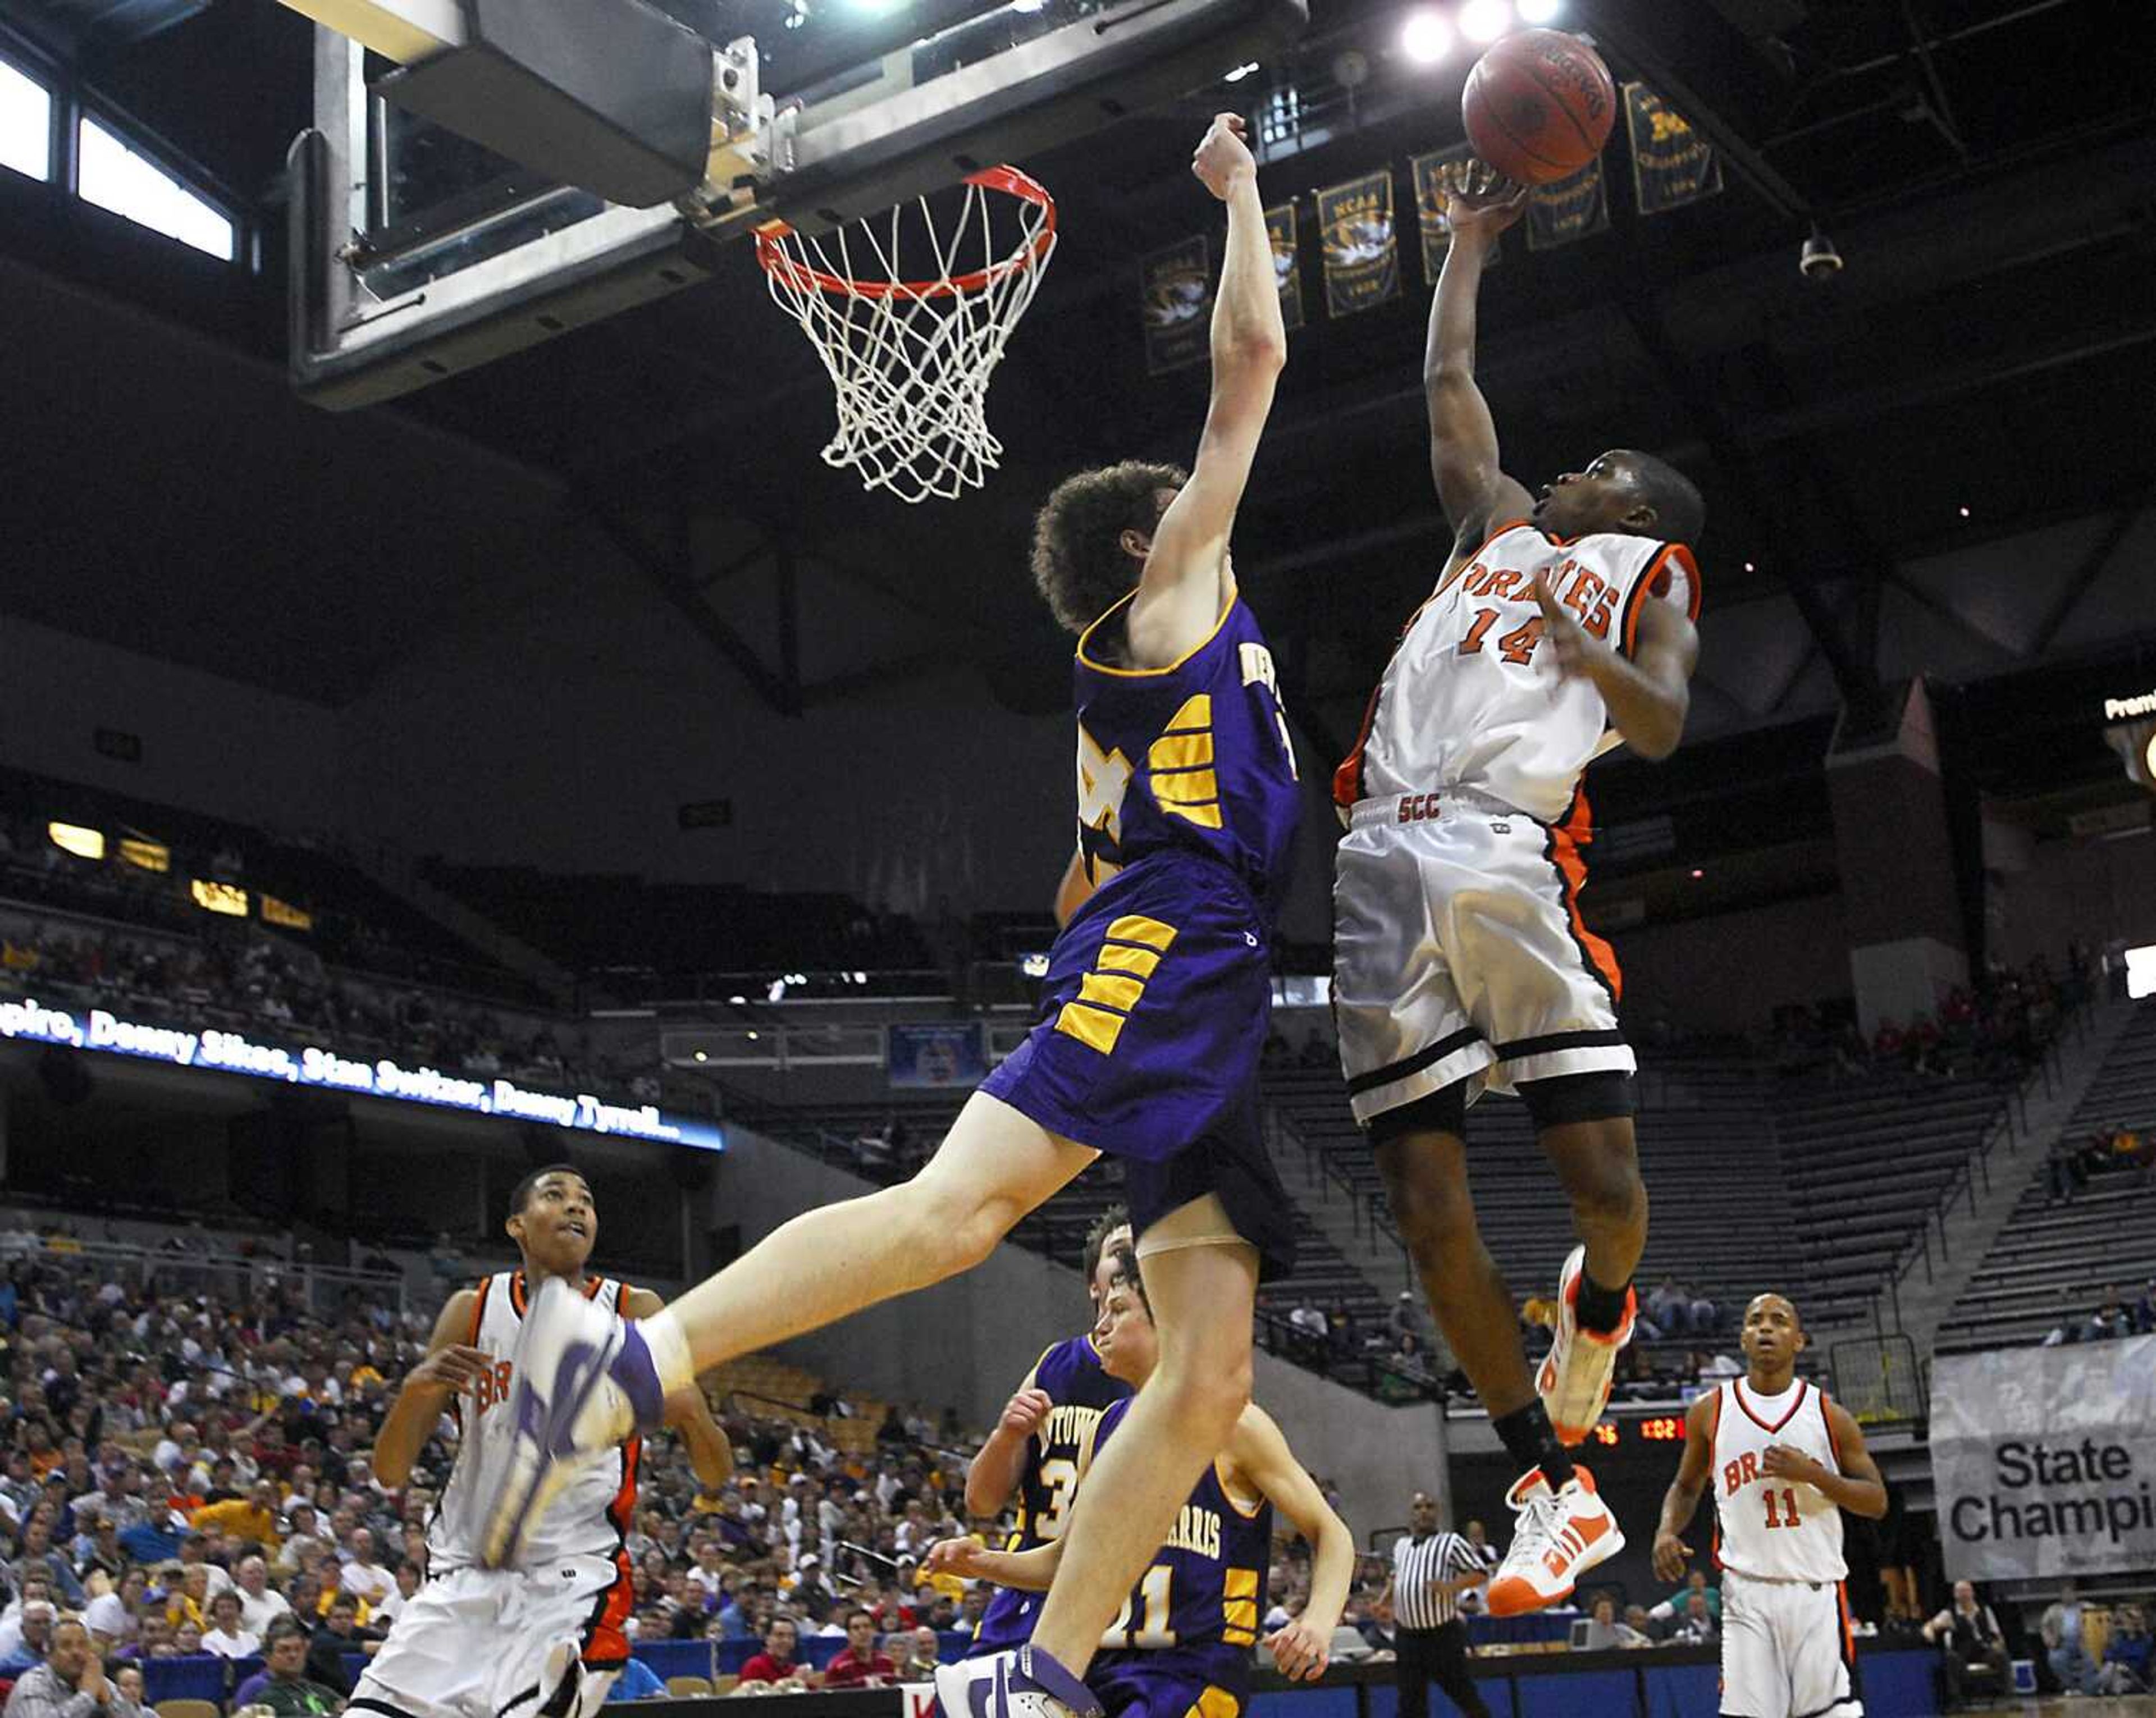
{"x":1175,"y":301}
{"x":1672,"y":165}
{"x":1362,"y":249}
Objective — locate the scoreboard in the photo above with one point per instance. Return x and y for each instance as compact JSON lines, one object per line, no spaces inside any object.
{"x":1654,"y":1428}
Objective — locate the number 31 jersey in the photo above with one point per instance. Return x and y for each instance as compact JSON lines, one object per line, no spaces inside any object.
{"x":1771,"y":1528}
{"x":1472,"y":698}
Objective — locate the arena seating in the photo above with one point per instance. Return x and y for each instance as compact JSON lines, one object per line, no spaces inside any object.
{"x":612,"y":928}
{"x":1705,"y":1117}
{"x":358,"y":922}
{"x":2050,"y":1266}
{"x":1902,"y":1139}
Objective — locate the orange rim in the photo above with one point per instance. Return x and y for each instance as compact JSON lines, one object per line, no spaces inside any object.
{"x":771,"y":252}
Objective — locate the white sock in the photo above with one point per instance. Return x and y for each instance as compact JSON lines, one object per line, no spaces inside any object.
{"x":668,"y":1344}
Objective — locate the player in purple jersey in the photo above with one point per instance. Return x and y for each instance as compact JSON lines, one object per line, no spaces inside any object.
{"x":1043,"y":1440}
{"x":1182,"y":1642}
{"x":1157,"y":995}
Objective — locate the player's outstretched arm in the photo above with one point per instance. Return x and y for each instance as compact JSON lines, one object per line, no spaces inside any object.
{"x":1187,"y":581}
{"x":1001,"y":1463}
{"x":687,"y":1413}
{"x":1258,"y":1449}
{"x":969,"y":1559}
{"x":1680,"y":1502}
{"x":1472,"y":487}
{"x":1856,"y":1488}
{"x":451,"y":1364}
{"x":1648,"y":694}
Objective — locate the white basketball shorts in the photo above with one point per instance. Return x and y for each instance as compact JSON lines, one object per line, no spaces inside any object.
{"x":1786,"y":1650}
{"x":498,"y":1644}
{"x":1458,"y":953}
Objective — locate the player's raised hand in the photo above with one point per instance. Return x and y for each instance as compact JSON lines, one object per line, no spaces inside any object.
{"x":1575,"y":650}
{"x":1223,"y":157}
{"x":1481,"y":202}
{"x":1025,"y":1412}
{"x":1299,"y":1652}
{"x":455,"y":1367}
{"x":960,"y":1557}
{"x":1671,"y":1555}
{"x":1784,"y":1461}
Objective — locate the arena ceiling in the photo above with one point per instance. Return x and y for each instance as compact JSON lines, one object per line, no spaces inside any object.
{"x":1984,"y":167}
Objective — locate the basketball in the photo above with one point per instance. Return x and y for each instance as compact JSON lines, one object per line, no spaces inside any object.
{"x":1539,"y":105}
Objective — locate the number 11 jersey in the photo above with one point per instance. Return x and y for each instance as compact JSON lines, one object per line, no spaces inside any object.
{"x":1772,"y":1528}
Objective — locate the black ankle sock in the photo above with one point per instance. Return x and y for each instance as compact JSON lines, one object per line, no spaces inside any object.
{"x":1531,"y":1441}
{"x":1599,"y":1308}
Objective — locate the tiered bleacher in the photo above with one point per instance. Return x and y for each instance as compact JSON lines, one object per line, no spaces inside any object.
{"x":1708,"y":1151}
{"x":1868,"y":1161}
{"x":2085,"y":1224}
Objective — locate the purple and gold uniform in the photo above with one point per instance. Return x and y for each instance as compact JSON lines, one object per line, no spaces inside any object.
{"x":1159,"y":989}
{"x":1055,"y":1456}
{"x":1181,"y":1646}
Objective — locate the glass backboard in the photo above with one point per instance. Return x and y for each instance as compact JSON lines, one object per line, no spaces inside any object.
{"x":418,"y":253}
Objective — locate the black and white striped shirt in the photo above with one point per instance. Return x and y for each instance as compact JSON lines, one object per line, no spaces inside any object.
{"x":1418,"y":1565}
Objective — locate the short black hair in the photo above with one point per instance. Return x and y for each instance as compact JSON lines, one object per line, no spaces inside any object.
{"x":520,"y":1196}
{"x":1679,"y":510}
{"x":1127,"y":1269}
{"x":1078,"y":560}
{"x":1116,"y":1217}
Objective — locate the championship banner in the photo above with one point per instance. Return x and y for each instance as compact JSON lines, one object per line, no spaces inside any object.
{"x":1671,"y":164}
{"x":2043,"y":1459}
{"x":1175,"y":288}
{"x":1430,"y":172}
{"x":1570,"y":209}
{"x":1362,"y":252}
{"x":937,"y":1057}
{"x":1287,"y":258}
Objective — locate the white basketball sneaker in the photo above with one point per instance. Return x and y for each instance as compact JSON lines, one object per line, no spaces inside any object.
{"x":1022,"y":1683}
{"x":1576,"y":1374}
{"x":1558,"y":1537}
{"x":586,"y":1380}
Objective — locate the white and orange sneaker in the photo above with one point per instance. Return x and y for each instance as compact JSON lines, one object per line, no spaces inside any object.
{"x":1560,"y":1536}
{"x":1574,"y":1380}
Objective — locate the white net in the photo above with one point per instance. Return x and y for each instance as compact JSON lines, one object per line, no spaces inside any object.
{"x":910,"y":312}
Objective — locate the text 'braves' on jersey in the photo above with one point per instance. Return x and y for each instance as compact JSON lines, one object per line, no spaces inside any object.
{"x":1472,"y":699}
{"x":1773,"y":1528}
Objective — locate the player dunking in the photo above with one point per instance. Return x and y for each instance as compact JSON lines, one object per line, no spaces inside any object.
{"x":1783,"y":1462}
{"x":1157,"y":997}
{"x":1181,"y":1643}
{"x":543,"y":1638}
{"x":1558,"y":628}
{"x":1045,"y":1440}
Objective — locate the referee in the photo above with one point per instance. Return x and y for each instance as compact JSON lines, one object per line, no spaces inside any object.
{"x":1430,"y":1570}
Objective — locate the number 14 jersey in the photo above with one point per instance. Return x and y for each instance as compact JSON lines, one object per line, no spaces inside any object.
{"x":1472,"y":698}
{"x":1772,"y":1528}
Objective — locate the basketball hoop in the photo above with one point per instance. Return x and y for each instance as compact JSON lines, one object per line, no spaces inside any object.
{"x":912,"y":359}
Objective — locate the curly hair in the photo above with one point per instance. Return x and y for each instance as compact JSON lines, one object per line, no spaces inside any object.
{"x":1078,"y":558}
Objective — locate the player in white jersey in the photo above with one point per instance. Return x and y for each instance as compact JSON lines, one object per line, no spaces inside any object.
{"x":1558,"y":628}
{"x":543,"y":1638}
{"x":1784,"y":1462}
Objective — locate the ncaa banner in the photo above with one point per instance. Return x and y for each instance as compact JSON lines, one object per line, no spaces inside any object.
{"x":1432,"y":173}
{"x":1362,"y":253}
{"x":1570,"y":209}
{"x":1287,"y":259}
{"x":2043,"y":1459}
{"x":1672,"y":165}
{"x":1175,"y":298}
